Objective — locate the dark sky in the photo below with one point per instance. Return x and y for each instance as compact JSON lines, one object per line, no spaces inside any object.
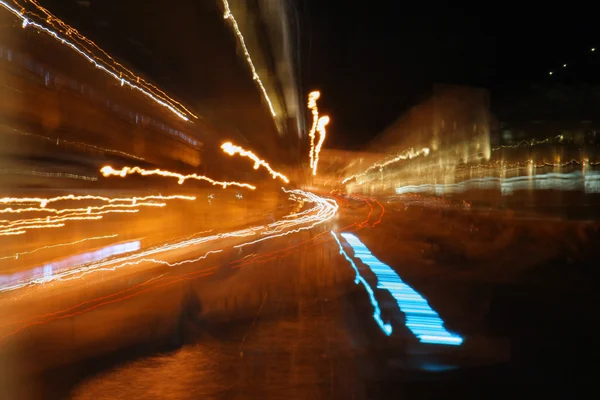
{"x":373,"y":60}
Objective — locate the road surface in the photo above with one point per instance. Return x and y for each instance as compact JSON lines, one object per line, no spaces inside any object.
{"x":284,"y":317}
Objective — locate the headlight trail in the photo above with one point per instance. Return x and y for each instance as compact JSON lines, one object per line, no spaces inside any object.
{"x":312,"y":106}
{"x":154,"y":283}
{"x":229,"y":16}
{"x":123,"y":172}
{"x":323,"y":121}
{"x":407,"y":155}
{"x":323,"y":210}
{"x":124,"y":77}
{"x":232,"y":149}
{"x":22,"y":253}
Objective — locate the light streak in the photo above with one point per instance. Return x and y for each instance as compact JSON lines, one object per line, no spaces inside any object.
{"x":528,"y":143}
{"x":98,"y":63}
{"x":229,"y":16}
{"x":43,"y":202}
{"x":421,"y":319}
{"x":48,"y":174}
{"x":409,"y":154}
{"x":20,"y":231}
{"x":323,"y":121}
{"x":323,"y":210}
{"x":73,"y":32}
{"x":54,"y":270}
{"x":89,"y":209}
{"x":312,"y":106}
{"x":232,"y":149}
{"x":22,"y":253}
{"x":123,"y":172}
{"x":385,"y":327}
{"x":69,"y":142}
{"x":49,"y":221}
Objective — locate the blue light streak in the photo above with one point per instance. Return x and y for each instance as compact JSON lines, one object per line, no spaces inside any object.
{"x":421,"y":319}
{"x":386,"y":328}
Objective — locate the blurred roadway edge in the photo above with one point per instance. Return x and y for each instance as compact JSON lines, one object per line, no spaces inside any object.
{"x":270,"y":33}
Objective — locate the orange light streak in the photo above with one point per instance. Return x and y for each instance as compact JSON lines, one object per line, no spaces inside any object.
{"x":68,"y":142}
{"x":312,"y":106}
{"x":152,"y":284}
{"x":407,"y":155}
{"x":128,"y":78}
{"x":43,"y":202}
{"x":87,"y":209}
{"x":324,"y":210}
{"x":22,"y":253}
{"x":232,"y":149}
{"x":229,"y":16}
{"x":323,"y":121}
{"x":17,"y":231}
{"x":123,"y":172}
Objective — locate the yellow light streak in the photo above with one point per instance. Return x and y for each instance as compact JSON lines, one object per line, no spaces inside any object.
{"x":229,"y":16}
{"x":43,"y":202}
{"x":16,"y":231}
{"x":323,"y":121}
{"x":123,"y":172}
{"x":87,"y":209}
{"x":69,"y":142}
{"x":232,"y":149}
{"x":324,"y":209}
{"x":97,"y":62}
{"x":312,"y":106}
{"x":72,"y":32}
{"x":407,"y":155}
{"x":22,"y":253}
{"x":49,"y":219}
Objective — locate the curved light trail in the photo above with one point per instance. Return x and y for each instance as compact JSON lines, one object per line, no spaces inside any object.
{"x":323,"y":210}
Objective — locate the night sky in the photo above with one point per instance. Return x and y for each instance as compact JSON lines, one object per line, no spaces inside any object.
{"x":374,"y":61}
{"x":371,"y":60}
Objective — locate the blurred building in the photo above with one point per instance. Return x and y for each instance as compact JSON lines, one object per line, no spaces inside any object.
{"x":454,"y":122}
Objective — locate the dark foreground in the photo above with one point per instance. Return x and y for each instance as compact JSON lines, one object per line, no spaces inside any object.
{"x":294,"y":325}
